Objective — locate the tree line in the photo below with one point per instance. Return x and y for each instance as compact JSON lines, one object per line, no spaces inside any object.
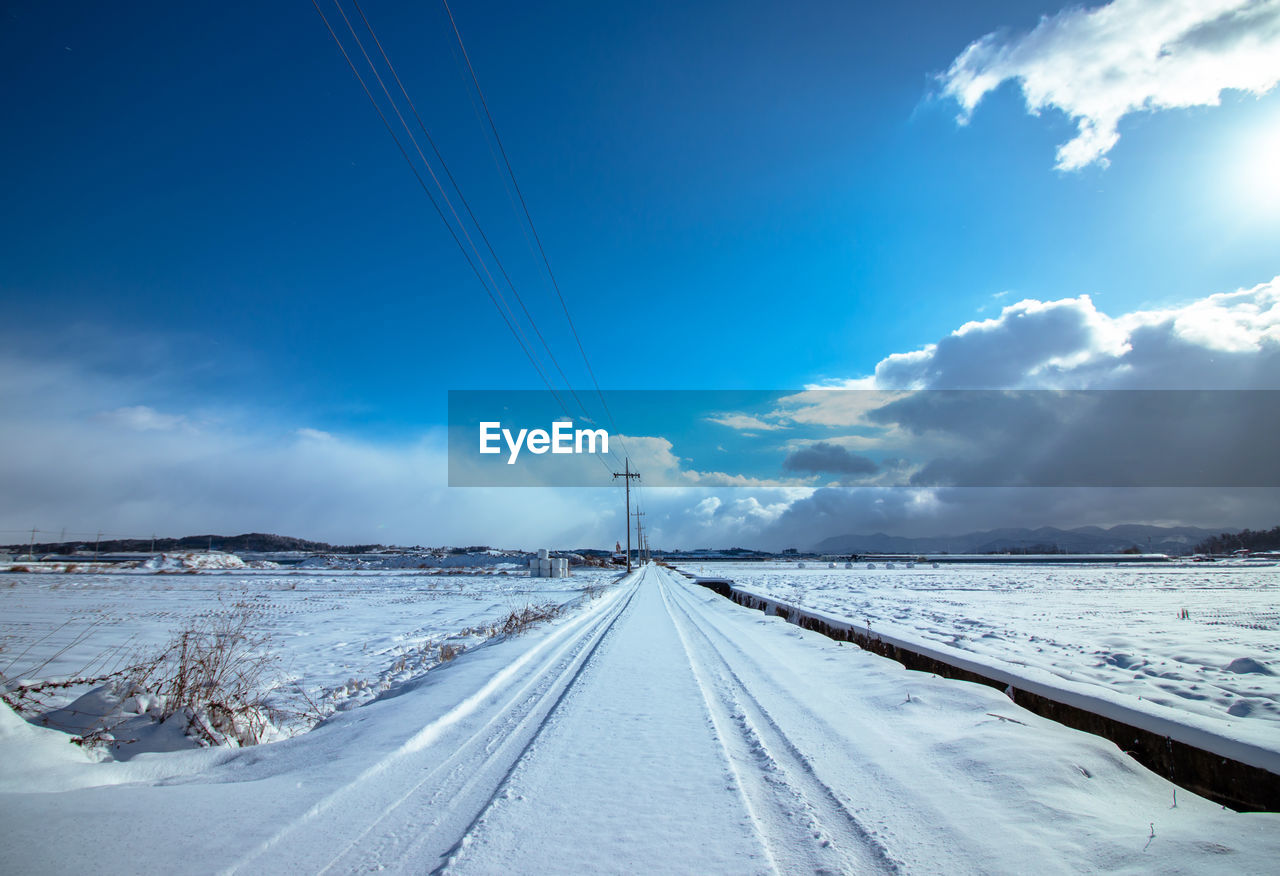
{"x":1248,"y":539}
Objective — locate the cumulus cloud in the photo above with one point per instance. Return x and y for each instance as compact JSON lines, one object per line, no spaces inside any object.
{"x":744,"y":422}
{"x":707,"y":507}
{"x":84,"y":450}
{"x":1224,"y":341}
{"x":1110,"y":438}
{"x":816,"y":406}
{"x":654,"y":457}
{"x":955,"y":511}
{"x":827,"y":458}
{"x":726,"y":518}
{"x":88,"y":450}
{"x":1099,"y":65}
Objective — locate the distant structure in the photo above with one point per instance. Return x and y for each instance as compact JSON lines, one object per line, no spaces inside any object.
{"x":546,"y":566}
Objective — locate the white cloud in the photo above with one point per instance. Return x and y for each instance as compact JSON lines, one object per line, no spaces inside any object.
{"x":1224,"y":341}
{"x":1099,"y":65}
{"x":1234,"y":322}
{"x":87,"y":450}
{"x":707,"y":507}
{"x":83,"y":450}
{"x":744,"y":422}
{"x":905,"y":511}
{"x":818,"y":406}
{"x":141,"y":418}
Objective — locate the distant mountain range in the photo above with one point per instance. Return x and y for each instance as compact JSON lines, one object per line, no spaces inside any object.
{"x":1046,"y":539}
{"x":250,"y":542}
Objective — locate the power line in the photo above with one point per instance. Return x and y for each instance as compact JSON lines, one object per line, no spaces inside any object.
{"x":504,"y":310}
{"x":422,"y":183}
{"x":439,"y":186}
{"x":462,"y":197}
{"x":508,"y":317}
{"x":532,"y":227}
{"x":465,"y":203}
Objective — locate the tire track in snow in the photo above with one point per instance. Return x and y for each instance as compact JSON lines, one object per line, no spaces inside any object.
{"x":801,"y":821}
{"x":924,"y":834}
{"x":628,"y":776}
{"x":435,"y":811}
{"x":566,"y":682}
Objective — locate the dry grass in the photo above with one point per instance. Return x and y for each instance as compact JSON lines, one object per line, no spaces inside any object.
{"x":216,"y":672}
{"x":214,"y":675}
{"x":521,"y":619}
{"x":517,"y":621}
{"x":28,"y":691}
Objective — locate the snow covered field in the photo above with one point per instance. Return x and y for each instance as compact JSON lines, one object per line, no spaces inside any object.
{"x":340,"y":637}
{"x":658,"y":728}
{"x":1115,"y":630}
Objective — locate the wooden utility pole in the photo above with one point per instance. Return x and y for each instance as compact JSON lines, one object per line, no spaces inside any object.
{"x":640,"y":535}
{"x":31,"y":550}
{"x":97,"y":542}
{"x":627,"y":474}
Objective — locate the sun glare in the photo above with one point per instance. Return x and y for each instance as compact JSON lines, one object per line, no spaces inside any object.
{"x":1256,"y":169}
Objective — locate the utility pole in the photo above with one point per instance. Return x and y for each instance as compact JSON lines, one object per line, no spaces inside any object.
{"x":640,"y":535}
{"x":31,"y":550}
{"x":627,"y":474}
{"x":153,"y":542}
{"x":97,"y":542}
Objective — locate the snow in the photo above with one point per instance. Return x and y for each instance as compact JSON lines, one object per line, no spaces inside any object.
{"x":31,"y":750}
{"x":1111,"y":633}
{"x":489,"y":559}
{"x":210,"y":561}
{"x":181,"y":562}
{"x":342,"y":638}
{"x":656,"y":727}
{"x":1247,"y":665}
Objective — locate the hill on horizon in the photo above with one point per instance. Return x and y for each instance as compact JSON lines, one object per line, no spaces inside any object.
{"x":1175,"y":540}
{"x":251,"y":542}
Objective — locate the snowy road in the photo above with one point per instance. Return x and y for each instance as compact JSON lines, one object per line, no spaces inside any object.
{"x":694,"y":768}
{"x":660,"y":729}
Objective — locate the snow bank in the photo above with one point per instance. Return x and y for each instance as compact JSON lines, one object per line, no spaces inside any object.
{"x":28,"y":752}
{"x":196,"y":561}
{"x":1114,"y":637}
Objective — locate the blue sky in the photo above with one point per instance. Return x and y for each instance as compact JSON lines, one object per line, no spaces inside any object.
{"x":205,"y":218}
